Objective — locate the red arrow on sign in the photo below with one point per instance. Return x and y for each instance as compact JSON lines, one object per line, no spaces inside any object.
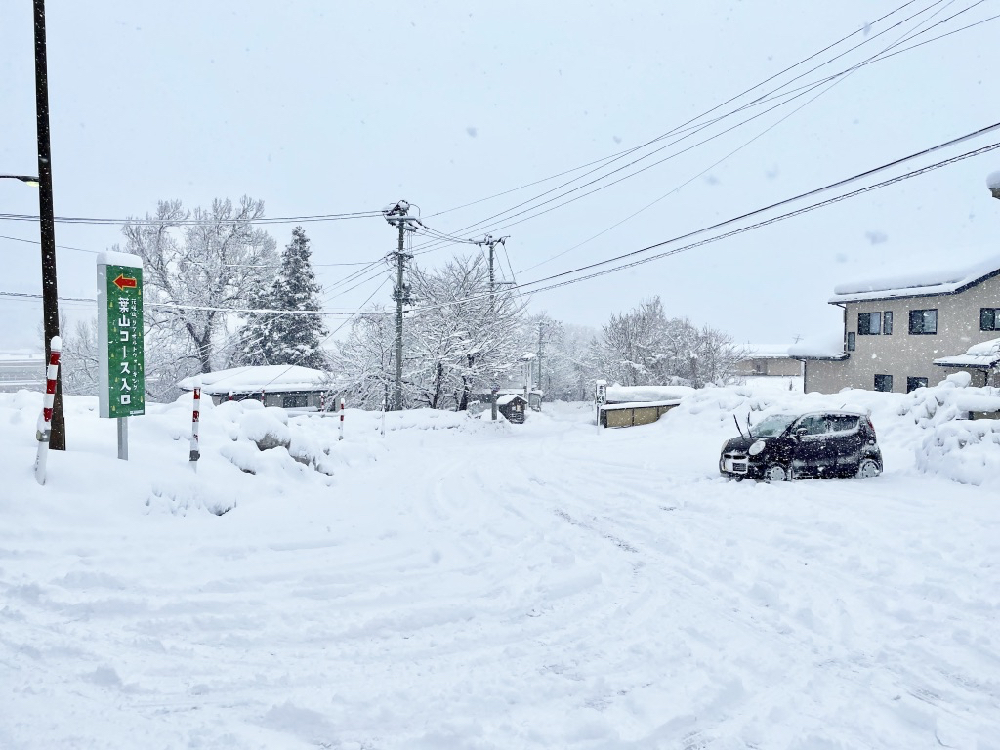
{"x":123,"y":281}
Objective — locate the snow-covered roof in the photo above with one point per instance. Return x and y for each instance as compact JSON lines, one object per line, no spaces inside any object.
{"x":983,"y":355}
{"x":828,"y":346}
{"x":645,"y":393}
{"x":268,"y":378}
{"x":504,"y":400}
{"x":917,"y":284}
{"x":763,"y":351}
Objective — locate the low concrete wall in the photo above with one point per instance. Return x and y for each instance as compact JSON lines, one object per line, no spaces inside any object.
{"x":633,"y":415}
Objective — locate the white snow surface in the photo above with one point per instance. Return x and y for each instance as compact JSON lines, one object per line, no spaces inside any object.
{"x":251,"y":379}
{"x":764,"y":351}
{"x":467,"y":584}
{"x":828,"y":345}
{"x":617,"y":394}
{"x":984,"y":354}
{"x":941,"y":280}
{"x":113,"y":258}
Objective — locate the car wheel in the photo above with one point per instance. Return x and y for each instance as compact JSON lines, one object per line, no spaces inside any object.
{"x":868,"y":468}
{"x":775,"y":473}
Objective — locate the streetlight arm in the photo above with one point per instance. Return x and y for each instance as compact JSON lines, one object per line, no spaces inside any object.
{"x":26,"y":179}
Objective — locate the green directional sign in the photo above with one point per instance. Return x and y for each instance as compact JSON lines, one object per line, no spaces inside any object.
{"x":123,"y":365}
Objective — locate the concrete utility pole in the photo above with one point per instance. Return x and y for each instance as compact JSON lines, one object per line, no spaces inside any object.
{"x":541,"y":325}
{"x":46,"y":219}
{"x":398,"y":215}
{"x":491,"y":244}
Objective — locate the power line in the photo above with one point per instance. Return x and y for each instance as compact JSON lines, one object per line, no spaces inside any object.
{"x":878,"y":57}
{"x":198,"y":222}
{"x":756,"y":212}
{"x":732,"y":99}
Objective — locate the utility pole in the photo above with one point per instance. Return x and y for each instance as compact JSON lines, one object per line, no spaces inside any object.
{"x":46,"y":220}
{"x":541,"y":324}
{"x":398,"y":215}
{"x":491,"y":244}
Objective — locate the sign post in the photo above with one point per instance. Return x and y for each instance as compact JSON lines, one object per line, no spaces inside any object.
{"x":601,"y":399}
{"x":121,"y":341}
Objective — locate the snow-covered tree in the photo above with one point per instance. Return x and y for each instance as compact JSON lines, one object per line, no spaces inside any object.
{"x":198,"y":264}
{"x":461,"y":336}
{"x":644,"y":347}
{"x":286,"y":339}
{"x":363,"y":363}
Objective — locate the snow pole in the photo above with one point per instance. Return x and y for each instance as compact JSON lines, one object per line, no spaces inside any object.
{"x":322,"y":402}
{"x":44,"y":429}
{"x":383,"y":417}
{"x":194,"y":454}
{"x":341,"y":419}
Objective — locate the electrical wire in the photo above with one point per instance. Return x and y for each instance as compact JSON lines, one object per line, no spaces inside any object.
{"x":832,"y":186}
{"x":804,"y":90}
{"x":198,"y":222}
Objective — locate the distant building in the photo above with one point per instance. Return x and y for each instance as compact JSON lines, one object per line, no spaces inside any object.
{"x":512,"y":407}
{"x":287,"y":386}
{"x":22,"y":371}
{"x":910,"y":331}
{"x":767,"y":360}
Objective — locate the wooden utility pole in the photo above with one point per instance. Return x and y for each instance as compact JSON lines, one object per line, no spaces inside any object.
{"x":46,"y":219}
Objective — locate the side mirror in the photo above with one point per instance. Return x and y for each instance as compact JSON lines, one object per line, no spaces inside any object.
{"x":800,"y":432}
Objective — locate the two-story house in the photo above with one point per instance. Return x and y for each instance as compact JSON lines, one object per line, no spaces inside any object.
{"x":910,"y":331}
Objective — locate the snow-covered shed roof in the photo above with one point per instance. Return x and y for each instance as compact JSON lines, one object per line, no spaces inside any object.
{"x":917,"y":284}
{"x":504,"y":400}
{"x":764,"y":351}
{"x":829,"y":346}
{"x":617,"y":394}
{"x":269,"y":378}
{"x":983,"y":356}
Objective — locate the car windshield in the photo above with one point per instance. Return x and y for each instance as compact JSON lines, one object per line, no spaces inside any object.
{"x":771,"y":426}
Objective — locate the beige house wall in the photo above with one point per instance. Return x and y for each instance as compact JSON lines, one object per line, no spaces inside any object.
{"x":903,"y":355}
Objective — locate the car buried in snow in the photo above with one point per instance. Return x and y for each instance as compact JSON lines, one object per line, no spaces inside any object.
{"x":812,"y":444}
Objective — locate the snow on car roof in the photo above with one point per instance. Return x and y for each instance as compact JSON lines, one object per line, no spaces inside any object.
{"x":917,"y":284}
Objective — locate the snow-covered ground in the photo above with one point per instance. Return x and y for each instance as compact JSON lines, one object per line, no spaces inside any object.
{"x":464,"y":584}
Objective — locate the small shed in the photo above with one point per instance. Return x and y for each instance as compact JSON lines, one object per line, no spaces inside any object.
{"x":287,"y":386}
{"x":634,"y":406}
{"x":512,"y":407}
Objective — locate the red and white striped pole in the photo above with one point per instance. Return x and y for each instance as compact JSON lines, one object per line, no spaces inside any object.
{"x":341,"y":419}
{"x":44,"y":429}
{"x":194,"y":453}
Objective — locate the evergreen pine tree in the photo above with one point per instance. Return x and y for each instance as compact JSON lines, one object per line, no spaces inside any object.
{"x":288,"y":339}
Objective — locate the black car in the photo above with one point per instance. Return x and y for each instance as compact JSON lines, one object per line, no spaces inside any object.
{"x":816,"y":444}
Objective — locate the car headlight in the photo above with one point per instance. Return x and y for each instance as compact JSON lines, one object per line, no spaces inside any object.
{"x":757,"y":447}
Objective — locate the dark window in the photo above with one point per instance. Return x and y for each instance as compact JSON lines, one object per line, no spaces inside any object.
{"x":842,"y":422}
{"x":812,"y":425}
{"x":913,"y":383}
{"x":887,"y":323}
{"x":850,"y":341}
{"x":989,"y":319}
{"x":869,"y":324}
{"x":294,"y":400}
{"x":923,"y":322}
{"x":883,"y":383}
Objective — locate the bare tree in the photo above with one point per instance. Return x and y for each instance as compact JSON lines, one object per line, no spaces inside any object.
{"x":197,"y":265}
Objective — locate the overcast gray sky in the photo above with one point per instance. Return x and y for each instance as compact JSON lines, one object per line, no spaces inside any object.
{"x":322,"y":108}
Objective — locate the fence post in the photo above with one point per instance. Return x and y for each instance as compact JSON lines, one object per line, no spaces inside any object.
{"x":341,"y":419}
{"x":44,"y":428}
{"x":194,"y":453}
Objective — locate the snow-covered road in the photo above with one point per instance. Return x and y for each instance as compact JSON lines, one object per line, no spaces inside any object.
{"x":529,"y":587}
